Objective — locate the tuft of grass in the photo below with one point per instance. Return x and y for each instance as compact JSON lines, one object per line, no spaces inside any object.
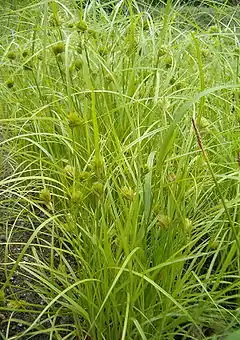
{"x":119,"y":219}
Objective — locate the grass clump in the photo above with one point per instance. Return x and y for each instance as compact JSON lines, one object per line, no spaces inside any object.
{"x":120,"y":182}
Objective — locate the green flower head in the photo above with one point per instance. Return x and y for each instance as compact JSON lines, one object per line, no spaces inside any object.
{"x":98,"y":188}
{"x":74,"y":120}
{"x":11,"y":55}
{"x":58,"y":48}
{"x":128,"y":193}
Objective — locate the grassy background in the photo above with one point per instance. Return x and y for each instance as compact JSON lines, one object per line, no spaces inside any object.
{"x":118,"y":219}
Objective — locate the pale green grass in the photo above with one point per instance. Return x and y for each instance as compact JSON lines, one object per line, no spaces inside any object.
{"x":118,"y":225}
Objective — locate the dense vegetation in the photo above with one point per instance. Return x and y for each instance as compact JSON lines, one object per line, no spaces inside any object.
{"x":120,"y":182}
{"x":209,"y":3}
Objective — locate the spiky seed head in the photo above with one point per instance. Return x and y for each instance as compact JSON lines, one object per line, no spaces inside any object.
{"x":187,"y":225}
{"x":171,"y":177}
{"x":25,"y":53}
{"x":205,"y":52}
{"x":92,"y":33}
{"x":58,"y":48}
{"x":128,"y":193}
{"x":168,"y":61}
{"x":164,"y":221}
{"x":10,"y":83}
{"x":74,"y":120}
{"x":162,"y":51}
{"x":98,"y":188}
{"x":98,"y":164}
{"x":213,"y":29}
{"x":204,"y":123}
{"x":45,"y":196}
{"x":69,"y":170}
{"x":84,"y":175}
{"x":11,"y":55}
{"x":81,"y":26}
{"x":76,"y":197}
{"x":78,"y":64}
{"x":102,"y":51}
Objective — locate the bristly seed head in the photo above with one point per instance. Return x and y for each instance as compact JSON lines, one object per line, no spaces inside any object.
{"x":204,"y":123}
{"x":92,"y":33}
{"x":98,"y":163}
{"x":69,"y":170}
{"x":10,"y":83}
{"x":12,"y":55}
{"x":187,"y":225}
{"x":78,"y":64}
{"x":45,"y":196}
{"x":98,"y":188}
{"x":128,"y":193}
{"x":168,"y":61}
{"x":162,"y":51}
{"x":81,"y":26}
{"x":76,"y":196}
{"x":213,"y":29}
{"x":58,"y":48}
{"x":84,"y":175}
{"x":164,"y":221}
{"x":55,"y":21}
{"x":25,"y":53}
{"x":171,"y":177}
{"x":74,"y":120}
